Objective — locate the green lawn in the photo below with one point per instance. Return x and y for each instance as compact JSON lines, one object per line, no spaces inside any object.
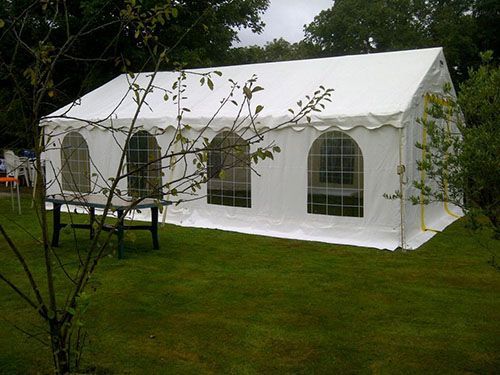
{"x":216,"y":302}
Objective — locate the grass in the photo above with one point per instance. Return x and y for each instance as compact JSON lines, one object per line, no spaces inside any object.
{"x":218,"y":302}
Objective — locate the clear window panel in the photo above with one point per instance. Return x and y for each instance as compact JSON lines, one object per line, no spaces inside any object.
{"x":229,"y":171}
{"x":75,"y":167}
{"x":144,"y":166}
{"x":335,"y":176}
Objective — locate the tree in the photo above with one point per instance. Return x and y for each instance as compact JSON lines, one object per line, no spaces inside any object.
{"x":90,"y":54}
{"x":99,"y":55}
{"x":245,"y":55}
{"x":211,"y":38}
{"x":479,"y":100}
{"x":276,"y":50}
{"x":62,"y":307}
{"x":487,"y":14}
{"x":463,"y":168}
{"x":356,"y":26}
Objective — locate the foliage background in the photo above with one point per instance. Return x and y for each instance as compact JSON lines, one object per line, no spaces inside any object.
{"x":463,"y":27}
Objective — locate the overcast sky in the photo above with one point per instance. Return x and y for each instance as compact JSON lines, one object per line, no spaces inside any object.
{"x":286,"y":19}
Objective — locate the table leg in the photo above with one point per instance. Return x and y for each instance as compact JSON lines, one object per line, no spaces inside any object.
{"x":154,"y":227}
{"x":119,"y":233}
{"x":56,"y":222}
{"x":92,"y":219}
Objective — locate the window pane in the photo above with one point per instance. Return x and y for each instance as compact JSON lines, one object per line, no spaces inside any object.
{"x":75,"y":168}
{"x":144,"y":166}
{"x":228,"y":171}
{"x":335,"y":176}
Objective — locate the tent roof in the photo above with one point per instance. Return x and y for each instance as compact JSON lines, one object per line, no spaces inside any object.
{"x":370,"y":90}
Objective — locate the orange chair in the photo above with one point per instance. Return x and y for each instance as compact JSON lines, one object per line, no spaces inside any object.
{"x":13,"y":179}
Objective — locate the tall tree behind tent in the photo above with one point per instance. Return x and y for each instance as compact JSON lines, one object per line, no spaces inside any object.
{"x":206,"y":29}
{"x":276,"y":50}
{"x":462,"y":27}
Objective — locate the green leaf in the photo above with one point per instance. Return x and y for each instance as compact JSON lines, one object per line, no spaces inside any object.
{"x":210,"y":84}
{"x":2,"y":23}
{"x":247,"y":92}
{"x":175,"y":12}
{"x":258,"y":109}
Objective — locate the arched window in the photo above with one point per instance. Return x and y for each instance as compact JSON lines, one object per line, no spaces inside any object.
{"x":75,"y":163}
{"x":144,"y":166}
{"x":229,"y":171}
{"x":335,"y":176}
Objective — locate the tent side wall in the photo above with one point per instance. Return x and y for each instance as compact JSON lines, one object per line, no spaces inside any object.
{"x":422,"y":221}
{"x":279,"y":194}
{"x":104,"y":155}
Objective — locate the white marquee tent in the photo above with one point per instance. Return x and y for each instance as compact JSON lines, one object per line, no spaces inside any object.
{"x":327,"y":184}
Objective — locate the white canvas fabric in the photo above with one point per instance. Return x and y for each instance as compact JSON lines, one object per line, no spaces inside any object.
{"x":377,"y":100}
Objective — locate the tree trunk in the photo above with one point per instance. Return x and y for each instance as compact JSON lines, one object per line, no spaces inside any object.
{"x":59,"y":348}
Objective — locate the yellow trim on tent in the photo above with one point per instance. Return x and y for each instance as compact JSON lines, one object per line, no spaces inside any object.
{"x":434,"y":99}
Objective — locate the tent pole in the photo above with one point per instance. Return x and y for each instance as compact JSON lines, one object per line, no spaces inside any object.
{"x":401,"y":171}
{"x":171,"y":177}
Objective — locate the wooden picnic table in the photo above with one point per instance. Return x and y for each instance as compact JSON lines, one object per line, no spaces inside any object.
{"x":118,"y":204}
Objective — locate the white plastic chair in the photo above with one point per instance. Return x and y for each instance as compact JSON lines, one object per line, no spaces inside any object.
{"x":15,"y":167}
